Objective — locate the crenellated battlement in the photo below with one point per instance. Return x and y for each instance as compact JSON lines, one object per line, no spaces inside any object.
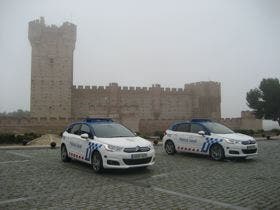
{"x":39,"y":31}
{"x":202,"y":83}
{"x":164,"y":90}
{"x":231,"y":120}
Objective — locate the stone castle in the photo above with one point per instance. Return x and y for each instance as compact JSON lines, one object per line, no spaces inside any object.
{"x":54,"y":96}
{"x":55,"y":102}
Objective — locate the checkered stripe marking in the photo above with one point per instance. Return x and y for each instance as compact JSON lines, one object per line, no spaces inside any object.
{"x":75,"y":155}
{"x":208,"y":142}
{"x":91,"y":147}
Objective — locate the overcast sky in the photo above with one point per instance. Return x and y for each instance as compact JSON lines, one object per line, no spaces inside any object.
{"x":142,"y":42}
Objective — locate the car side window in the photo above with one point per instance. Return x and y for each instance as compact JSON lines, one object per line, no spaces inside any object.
{"x":195,"y":128}
{"x":184,"y":127}
{"x":76,"y":129}
{"x":85,"y":129}
{"x":69,"y":129}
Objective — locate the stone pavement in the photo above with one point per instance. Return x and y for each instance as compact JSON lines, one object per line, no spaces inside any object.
{"x":37,"y":179}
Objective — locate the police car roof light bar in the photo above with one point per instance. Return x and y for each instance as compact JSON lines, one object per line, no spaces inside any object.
{"x":95,"y":120}
{"x":201,"y":120}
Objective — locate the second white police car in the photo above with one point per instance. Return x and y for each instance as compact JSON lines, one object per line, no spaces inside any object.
{"x":105,"y":144}
{"x":203,"y":136}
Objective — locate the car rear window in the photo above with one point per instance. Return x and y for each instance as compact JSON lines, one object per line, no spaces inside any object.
{"x":183,"y":127}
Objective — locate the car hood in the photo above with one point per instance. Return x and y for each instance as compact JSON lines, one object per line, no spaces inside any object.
{"x":126,"y":141}
{"x":236,"y":136}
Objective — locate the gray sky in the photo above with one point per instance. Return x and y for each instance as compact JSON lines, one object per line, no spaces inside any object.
{"x":142,"y":42}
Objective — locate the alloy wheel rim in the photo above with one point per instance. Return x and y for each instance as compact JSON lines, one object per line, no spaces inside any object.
{"x":216,"y":153}
{"x":168,"y":147}
{"x":96,"y":163}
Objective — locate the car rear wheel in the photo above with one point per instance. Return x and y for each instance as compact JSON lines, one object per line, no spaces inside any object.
{"x":169,"y":147}
{"x":96,"y":162}
{"x":217,"y":152}
{"x":64,"y":154}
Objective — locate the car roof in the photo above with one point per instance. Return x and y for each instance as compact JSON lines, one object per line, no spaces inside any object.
{"x":194,"y":120}
{"x":201,"y":120}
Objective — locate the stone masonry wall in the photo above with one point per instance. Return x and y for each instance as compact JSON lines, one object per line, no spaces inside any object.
{"x":132,"y":104}
{"x":242,"y":123}
{"x":51,"y":68}
{"x":35,"y":125}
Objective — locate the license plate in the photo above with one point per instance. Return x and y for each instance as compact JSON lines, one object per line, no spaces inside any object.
{"x":251,"y":147}
{"x":139,"y":156}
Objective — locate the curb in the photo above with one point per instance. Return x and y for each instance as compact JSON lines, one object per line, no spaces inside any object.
{"x":27,"y":147}
{"x":273,"y":138}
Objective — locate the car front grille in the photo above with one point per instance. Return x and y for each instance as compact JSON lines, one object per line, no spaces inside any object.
{"x":249,"y":151}
{"x":136,"y":149}
{"x":137,"y":161}
{"x":248,"y":142}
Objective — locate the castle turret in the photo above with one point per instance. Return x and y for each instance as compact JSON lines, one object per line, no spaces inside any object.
{"x":206,"y":99}
{"x":51,"y":68}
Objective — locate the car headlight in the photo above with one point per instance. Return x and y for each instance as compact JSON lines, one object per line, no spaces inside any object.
{"x":113,"y":148}
{"x":232,"y":141}
{"x":151,"y":146}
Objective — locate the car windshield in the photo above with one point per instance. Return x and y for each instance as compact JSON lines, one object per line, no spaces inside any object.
{"x":217,"y":128}
{"x":111,"y":130}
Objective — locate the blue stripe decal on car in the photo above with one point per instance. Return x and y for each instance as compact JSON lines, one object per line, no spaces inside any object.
{"x":208,"y":142}
{"x":91,"y":147}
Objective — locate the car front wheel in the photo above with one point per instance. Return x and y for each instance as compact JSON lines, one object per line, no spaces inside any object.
{"x":169,"y":147}
{"x":217,"y":152}
{"x":96,"y":162}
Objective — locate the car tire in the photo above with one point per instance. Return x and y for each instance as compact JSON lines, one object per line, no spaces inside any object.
{"x":217,"y":152}
{"x":64,"y":154}
{"x":96,"y":162}
{"x":143,"y":167}
{"x":169,"y":147}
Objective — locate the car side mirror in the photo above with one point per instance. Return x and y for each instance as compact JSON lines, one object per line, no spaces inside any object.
{"x":202,"y":133}
{"x":84,"y":136}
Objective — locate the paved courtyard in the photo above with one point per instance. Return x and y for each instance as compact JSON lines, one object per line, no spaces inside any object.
{"x":37,"y":179}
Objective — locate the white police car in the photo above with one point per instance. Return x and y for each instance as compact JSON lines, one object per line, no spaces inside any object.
{"x":105,"y":144}
{"x":203,"y":136}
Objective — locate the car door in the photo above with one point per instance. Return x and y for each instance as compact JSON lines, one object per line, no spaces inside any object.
{"x":197,"y":140}
{"x":84,"y":144}
{"x":72,"y":136}
{"x":182,"y":137}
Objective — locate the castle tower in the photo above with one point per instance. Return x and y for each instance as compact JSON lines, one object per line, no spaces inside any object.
{"x":51,"y":68}
{"x":206,"y":99}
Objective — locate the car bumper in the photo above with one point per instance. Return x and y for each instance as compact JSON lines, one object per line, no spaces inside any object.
{"x":124,"y":160}
{"x":241,"y":150}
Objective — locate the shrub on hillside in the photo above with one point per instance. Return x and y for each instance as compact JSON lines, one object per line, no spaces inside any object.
{"x":10,"y":138}
{"x":276,"y":131}
{"x":160,"y":134}
{"x":246,"y":132}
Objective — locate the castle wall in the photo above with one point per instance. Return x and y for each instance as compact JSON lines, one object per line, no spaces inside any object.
{"x":36,"y":125}
{"x":242,"y":123}
{"x":150,"y":126}
{"x":132,"y":104}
